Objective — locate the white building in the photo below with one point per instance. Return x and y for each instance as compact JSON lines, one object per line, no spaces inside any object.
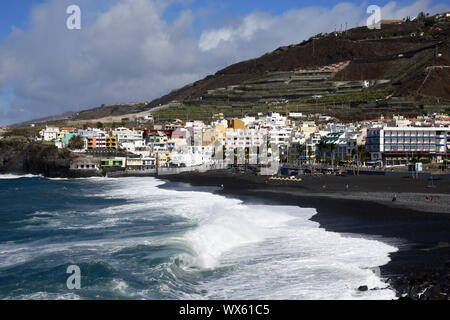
{"x":127,"y":135}
{"x":348,"y":142}
{"x":157,"y":142}
{"x":242,"y":138}
{"x":133,"y":145}
{"x":49,"y":133}
{"x":192,"y":155}
{"x":280,"y":136}
{"x":399,"y":143}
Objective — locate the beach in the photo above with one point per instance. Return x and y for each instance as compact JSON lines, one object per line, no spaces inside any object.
{"x":417,"y":222}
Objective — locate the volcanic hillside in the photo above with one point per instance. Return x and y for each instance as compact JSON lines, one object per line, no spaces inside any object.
{"x":407,"y":62}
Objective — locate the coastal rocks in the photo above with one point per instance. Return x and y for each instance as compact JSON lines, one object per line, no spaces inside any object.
{"x":424,"y":286}
{"x":363,"y":288}
{"x":33,"y":158}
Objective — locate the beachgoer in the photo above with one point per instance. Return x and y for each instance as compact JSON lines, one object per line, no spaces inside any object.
{"x":395,"y":198}
{"x":222,"y":187}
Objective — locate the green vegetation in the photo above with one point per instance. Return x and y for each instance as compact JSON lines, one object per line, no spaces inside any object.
{"x":27,"y":132}
{"x":363,"y":96}
{"x":19,"y":139}
{"x":76,"y":142}
{"x":335,"y":103}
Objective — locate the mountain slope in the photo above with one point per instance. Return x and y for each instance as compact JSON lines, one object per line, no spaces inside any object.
{"x":399,"y":53}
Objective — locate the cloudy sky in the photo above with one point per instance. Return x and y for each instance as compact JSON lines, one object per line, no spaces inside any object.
{"x":138,"y":50}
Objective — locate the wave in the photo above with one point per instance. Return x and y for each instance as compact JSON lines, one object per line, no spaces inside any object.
{"x":200,"y":245}
{"x":15,"y":176}
{"x":272,"y":247}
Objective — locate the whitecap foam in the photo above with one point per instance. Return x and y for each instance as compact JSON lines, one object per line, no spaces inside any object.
{"x":15,"y":176}
{"x":46,"y":296}
{"x":279,"y":251}
{"x":269,"y":252}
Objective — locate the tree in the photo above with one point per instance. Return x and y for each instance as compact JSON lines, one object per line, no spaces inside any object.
{"x":247,"y":155}
{"x":332,"y":148}
{"x":318,"y":158}
{"x":323,"y":146}
{"x":362,"y":154}
{"x":310,"y":152}
{"x":76,"y":142}
{"x":301,"y":150}
{"x":99,"y":125}
{"x":354,"y":153}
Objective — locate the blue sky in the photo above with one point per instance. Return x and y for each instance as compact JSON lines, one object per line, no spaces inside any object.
{"x":138,"y":50}
{"x":16,"y":12}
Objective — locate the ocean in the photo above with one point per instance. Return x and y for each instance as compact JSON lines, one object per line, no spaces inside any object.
{"x":134,"y":238}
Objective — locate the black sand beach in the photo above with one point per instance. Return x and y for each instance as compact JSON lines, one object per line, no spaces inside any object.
{"x":418,"y":222}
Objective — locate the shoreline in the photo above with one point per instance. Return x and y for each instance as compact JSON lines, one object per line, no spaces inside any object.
{"x":418,"y":227}
{"x":420,"y":269}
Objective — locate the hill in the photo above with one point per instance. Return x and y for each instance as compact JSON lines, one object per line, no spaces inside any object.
{"x":400,"y":67}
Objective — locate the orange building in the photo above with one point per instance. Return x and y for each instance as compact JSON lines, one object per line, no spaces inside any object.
{"x":102,"y":142}
{"x":385,"y":22}
{"x":236,"y":124}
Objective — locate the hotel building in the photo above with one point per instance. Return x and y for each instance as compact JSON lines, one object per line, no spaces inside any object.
{"x":395,"y":144}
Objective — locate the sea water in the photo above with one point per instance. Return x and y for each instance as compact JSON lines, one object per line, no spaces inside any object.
{"x":133,"y":239}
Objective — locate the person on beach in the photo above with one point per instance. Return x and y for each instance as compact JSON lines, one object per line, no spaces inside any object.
{"x":395,"y":198}
{"x":222,"y":187}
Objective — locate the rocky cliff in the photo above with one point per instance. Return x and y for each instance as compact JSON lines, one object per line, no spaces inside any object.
{"x":19,"y":157}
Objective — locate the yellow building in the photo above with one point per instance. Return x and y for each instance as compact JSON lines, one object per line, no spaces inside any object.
{"x":111,"y":143}
{"x":221,"y":130}
{"x":308,"y":126}
{"x":162,"y":158}
{"x":236,"y":124}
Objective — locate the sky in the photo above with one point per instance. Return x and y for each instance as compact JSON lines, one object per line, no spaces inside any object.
{"x":139,"y":50}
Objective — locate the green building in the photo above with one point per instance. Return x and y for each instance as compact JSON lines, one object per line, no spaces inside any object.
{"x":114,"y":162}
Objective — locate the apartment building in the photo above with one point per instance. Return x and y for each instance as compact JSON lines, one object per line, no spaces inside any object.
{"x":157,"y":141}
{"x":102,"y":143}
{"x":126,"y":135}
{"x":49,"y":133}
{"x":395,"y":144}
{"x":242,"y":138}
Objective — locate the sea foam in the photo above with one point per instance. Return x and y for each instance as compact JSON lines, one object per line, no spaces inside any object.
{"x":198,"y":245}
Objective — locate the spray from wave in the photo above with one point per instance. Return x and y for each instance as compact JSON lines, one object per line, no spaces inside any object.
{"x":143,"y":241}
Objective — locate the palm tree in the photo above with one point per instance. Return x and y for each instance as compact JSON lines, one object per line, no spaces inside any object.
{"x":323,"y":146}
{"x":301,"y":150}
{"x":310,"y":153}
{"x":332,"y":148}
{"x":354,"y":153}
{"x":318,"y":158}
{"x":362,"y":155}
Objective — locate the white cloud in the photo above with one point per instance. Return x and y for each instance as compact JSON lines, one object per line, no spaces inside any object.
{"x":128,"y":52}
{"x":393,"y":10}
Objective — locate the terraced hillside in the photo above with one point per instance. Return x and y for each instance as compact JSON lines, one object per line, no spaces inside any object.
{"x":357,"y":73}
{"x":306,"y":91}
